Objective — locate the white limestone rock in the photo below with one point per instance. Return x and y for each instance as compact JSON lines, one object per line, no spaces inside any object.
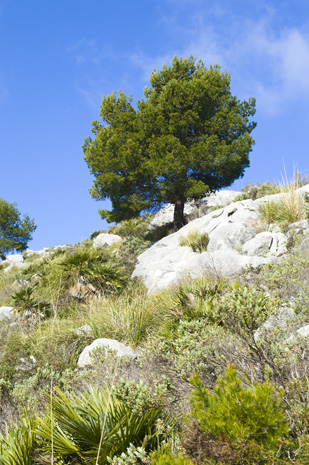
{"x":301,"y":227}
{"x":165,"y":215}
{"x":280,"y":319}
{"x":272,"y":243}
{"x":106,"y":239}
{"x":15,"y":259}
{"x":83,"y":330}
{"x":303,"y":331}
{"x":258,"y":245}
{"x":7,"y":313}
{"x":234,"y":245}
{"x":120,"y":349}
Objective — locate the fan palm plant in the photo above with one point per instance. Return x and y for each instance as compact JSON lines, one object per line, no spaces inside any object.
{"x":92,"y":427}
{"x":16,"y":447}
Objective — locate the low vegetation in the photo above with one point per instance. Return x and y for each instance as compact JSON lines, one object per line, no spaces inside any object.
{"x":204,"y":389}
{"x":198,"y":242}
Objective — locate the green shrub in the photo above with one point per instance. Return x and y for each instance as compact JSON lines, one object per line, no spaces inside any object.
{"x":135,"y":227}
{"x":252,"y":419}
{"x":242,"y":309}
{"x":197,"y":241}
{"x":28,"y":306}
{"x":256,"y":191}
{"x":167,"y":457}
{"x":188,"y":301}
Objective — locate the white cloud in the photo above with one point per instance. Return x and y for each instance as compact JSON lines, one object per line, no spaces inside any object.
{"x":270,"y":64}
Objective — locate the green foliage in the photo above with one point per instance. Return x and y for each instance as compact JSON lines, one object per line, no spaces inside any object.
{"x":134,"y":227}
{"x":197,"y":241}
{"x":28,"y":306}
{"x":91,"y":425}
{"x":242,"y":308}
{"x":256,"y":191}
{"x":288,"y":279}
{"x":128,"y":318}
{"x":188,"y":136}
{"x":290,"y":208}
{"x":16,"y":447}
{"x":188,"y":301}
{"x":132,"y":456}
{"x":99,"y":269}
{"x":166,"y":457}
{"x":138,"y":397}
{"x":252,"y":419}
{"x":15,"y":233}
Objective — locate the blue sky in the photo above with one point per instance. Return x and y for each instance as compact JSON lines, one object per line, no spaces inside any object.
{"x":58,"y":58}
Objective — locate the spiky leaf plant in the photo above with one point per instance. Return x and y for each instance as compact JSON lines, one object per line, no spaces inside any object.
{"x":93,"y":425}
{"x":16,"y":447}
{"x":99,"y":270}
{"x":29,"y":306}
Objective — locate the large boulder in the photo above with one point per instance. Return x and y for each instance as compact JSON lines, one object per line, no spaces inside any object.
{"x":7,"y":313}
{"x":104,"y":239}
{"x":120,"y":349}
{"x":300,"y":227}
{"x":13,"y":260}
{"x":273,"y":243}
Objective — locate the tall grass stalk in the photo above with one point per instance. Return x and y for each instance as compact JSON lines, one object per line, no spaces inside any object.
{"x":51,"y":422}
{"x":127,"y":318}
{"x":105,"y":416}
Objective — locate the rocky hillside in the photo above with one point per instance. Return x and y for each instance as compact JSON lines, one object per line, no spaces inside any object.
{"x":190,"y":347}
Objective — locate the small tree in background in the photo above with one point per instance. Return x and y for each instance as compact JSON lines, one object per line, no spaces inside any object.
{"x":188,"y":137}
{"x":15,"y":233}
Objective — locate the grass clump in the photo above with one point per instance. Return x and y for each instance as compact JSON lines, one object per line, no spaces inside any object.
{"x":290,"y":208}
{"x":197,"y":241}
{"x":129,"y":318}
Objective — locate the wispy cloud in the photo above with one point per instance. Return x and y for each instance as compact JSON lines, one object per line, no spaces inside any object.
{"x":264,"y":61}
{"x":85,"y":51}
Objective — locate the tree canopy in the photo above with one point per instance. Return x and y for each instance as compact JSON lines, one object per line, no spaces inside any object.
{"x":15,"y":233}
{"x":189,"y":136}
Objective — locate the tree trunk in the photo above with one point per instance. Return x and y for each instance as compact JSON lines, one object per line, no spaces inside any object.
{"x":179,"y":219}
{"x":2,"y":256}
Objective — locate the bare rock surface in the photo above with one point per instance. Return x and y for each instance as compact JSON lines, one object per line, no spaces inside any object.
{"x":106,"y":239}
{"x":236,"y":243}
{"x":222,"y":198}
{"x":120,"y":349}
{"x":6,"y":313}
{"x":303,"y":331}
{"x":13,"y":260}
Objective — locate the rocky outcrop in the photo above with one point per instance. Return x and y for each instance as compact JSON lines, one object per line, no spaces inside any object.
{"x":120,"y":349}
{"x":222,"y":198}
{"x":104,"y":239}
{"x":236,"y":243}
{"x":7,"y":313}
{"x":13,"y":260}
